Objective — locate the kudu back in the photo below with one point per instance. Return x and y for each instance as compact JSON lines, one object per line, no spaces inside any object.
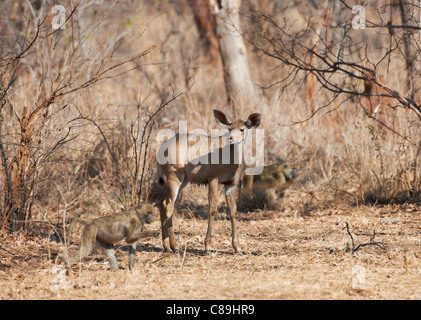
{"x":201,"y":159}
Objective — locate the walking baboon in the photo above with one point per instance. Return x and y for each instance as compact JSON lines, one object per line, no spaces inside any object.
{"x":278,"y":176}
{"x":106,"y":231}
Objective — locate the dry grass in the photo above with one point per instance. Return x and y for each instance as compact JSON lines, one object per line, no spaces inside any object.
{"x":288,"y":256}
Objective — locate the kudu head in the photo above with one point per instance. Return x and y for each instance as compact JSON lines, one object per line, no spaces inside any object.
{"x":237,"y":130}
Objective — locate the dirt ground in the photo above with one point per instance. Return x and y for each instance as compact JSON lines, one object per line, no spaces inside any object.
{"x":287,"y":255}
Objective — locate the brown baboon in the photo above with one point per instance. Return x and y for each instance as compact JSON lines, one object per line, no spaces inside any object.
{"x":278,"y":176}
{"x":106,"y":231}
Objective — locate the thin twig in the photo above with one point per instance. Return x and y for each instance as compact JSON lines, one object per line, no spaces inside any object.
{"x":372,"y":242}
{"x":184,"y":256}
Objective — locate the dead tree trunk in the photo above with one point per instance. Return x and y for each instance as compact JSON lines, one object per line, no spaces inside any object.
{"x":205,"y":22}
{"x":409,"y":60}
{"x":238,"y":84}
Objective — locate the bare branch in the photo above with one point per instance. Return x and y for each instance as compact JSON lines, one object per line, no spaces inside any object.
{"x":372,"y":242}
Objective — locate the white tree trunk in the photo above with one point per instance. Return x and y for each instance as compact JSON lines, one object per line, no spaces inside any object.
{"x":241,"y":92}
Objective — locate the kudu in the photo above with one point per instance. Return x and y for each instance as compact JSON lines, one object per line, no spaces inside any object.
{"x":218,"y":163}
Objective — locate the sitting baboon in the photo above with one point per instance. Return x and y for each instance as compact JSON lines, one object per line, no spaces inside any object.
{"x":278,"y":176}
{"x":106,"y":231}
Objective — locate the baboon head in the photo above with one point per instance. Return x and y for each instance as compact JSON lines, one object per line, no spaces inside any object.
{"x":145,"y":212}
{"x":290,"y":171}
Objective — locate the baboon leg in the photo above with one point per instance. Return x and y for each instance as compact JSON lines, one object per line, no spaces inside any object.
{"x":133,"y":244}
{"x":143,"y":234}
{"x":132,"y":252}
{"x":213,"y":207}
{"x":86,"y":245}
{"x":111,"y":256}
{"x":110,"y":252}
{"x":231,"y":192}
{"x":166,"y":208}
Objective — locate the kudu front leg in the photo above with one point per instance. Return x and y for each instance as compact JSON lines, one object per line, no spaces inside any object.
{"x":166,"y":209}
{"x":168,"y":239}
{"x":231,"y":193}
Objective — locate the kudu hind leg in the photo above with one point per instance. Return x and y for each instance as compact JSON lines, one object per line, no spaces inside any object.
{"x":231,"y":193}
{"x":213,"y":207}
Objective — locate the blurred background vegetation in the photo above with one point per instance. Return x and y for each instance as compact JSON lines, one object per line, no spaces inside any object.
{"x":80,"y":104}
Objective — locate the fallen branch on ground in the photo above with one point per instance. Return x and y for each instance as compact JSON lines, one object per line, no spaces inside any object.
{"x":355,"y":248}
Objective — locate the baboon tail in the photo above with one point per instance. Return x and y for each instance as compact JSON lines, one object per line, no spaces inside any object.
{"x":83,"y":221}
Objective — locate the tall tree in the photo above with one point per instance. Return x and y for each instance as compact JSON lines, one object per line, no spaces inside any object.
{"x":239,"y":87}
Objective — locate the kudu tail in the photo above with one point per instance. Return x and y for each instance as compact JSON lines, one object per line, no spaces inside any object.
{"x":161,"y":177}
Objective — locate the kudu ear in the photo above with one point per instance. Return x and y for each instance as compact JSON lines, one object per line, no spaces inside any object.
{"x":221,"y":118}
{"x":253,"y":121}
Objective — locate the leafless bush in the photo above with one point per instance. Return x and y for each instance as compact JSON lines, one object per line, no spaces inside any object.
{"x":341,"y":67}
{"x":50,"y":63}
